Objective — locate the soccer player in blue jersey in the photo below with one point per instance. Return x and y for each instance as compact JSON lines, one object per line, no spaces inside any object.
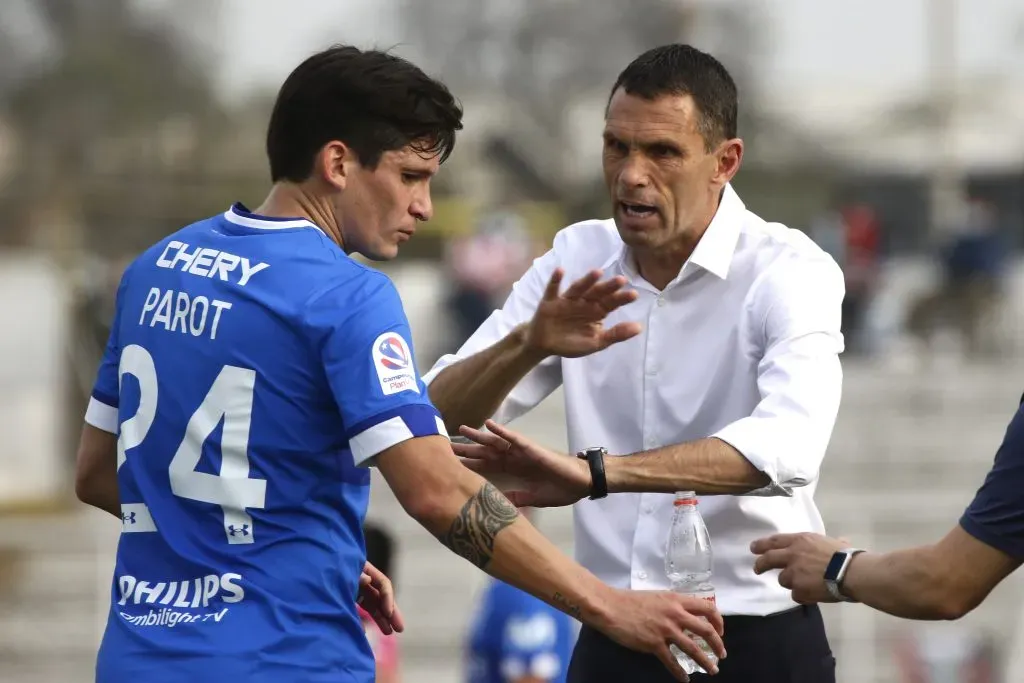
{"x":516,"y":638}
{"x":254,"y":371}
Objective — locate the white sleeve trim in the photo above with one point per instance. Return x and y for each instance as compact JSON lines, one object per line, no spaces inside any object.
{"x":373,"y":440}
{"x":101,"y":416}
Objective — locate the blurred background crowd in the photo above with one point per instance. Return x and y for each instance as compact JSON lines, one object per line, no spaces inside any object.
{"x":889,"y":131}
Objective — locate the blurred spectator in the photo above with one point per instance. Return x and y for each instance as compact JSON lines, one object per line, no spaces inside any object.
{"x":950,"y":654}
{"x":483,"y":267}
{"x":851,"y":236}
{"x":380,"y":550}
{"x":516,"y":638}
{"x":973,"y":265}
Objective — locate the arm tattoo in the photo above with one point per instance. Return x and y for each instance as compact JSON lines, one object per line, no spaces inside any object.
{"x":479,"y":522}
{"x":562,"y":602}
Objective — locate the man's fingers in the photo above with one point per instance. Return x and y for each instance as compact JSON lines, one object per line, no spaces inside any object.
{"x":577,"y":288}
{"x":772,"y":559}
{"x":670,"y":662}
{"x":619,"y":333}
{"x":551,"y":291}
{"x":472,"y":451}
{"x":774,"y":542}
{"x":504,"y":434}
{"x":602,"y":290}
{"x":489,"y":438}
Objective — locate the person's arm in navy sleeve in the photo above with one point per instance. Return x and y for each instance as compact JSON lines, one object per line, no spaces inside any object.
{"x":945,"y":580}
{"x":96,"y":461}
{"x":360,"y":328}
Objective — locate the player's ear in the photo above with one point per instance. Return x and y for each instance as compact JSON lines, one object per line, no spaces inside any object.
{"x":335,"y":163}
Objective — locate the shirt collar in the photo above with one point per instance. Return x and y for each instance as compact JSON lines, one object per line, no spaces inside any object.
{"x":240,"y":215}
{"x":716,"y":247}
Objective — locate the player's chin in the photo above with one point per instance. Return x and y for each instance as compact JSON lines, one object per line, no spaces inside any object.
{"x":385,"y":251}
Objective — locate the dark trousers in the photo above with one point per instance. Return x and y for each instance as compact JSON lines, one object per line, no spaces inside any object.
{"x":789,"y":647}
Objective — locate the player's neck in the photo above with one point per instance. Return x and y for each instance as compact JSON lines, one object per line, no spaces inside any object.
{"x":287,"y":200}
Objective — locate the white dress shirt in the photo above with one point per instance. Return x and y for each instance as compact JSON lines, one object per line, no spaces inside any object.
{"x":743,"y":345}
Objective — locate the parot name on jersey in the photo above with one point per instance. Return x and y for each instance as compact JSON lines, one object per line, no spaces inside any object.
{"x":206,"y":262}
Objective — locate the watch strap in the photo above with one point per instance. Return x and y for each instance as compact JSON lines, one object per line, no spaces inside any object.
{"x":598,"y":479}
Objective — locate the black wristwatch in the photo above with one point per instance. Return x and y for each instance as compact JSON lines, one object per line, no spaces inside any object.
{"x":598,"y":482}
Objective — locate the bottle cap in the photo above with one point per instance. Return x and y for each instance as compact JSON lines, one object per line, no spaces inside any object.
{"x":685,"y":498}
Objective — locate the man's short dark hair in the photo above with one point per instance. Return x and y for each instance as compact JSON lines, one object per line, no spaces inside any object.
{"x":372,"y":101}
{"x":684,"y":70}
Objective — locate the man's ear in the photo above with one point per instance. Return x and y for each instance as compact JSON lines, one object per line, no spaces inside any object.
{"x":335,"y":163}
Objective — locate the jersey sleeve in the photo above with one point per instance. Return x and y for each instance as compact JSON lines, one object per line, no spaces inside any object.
{"x":996,"y":515}
{"x":364,"y":339}
{"x":529,"y":643}
{"x":104,"y":399}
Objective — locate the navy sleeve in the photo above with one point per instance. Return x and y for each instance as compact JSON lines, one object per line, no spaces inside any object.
{"x":996,"y":515}
{"x":364,"y":342}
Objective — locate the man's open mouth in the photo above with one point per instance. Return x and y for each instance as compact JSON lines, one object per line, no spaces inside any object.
{"x":638,"y":210}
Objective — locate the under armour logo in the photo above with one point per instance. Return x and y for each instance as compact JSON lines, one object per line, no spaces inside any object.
{"x":128,"y":518}
{"x":239,"y":530}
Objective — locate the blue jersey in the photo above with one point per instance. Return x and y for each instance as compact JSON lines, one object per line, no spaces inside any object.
{"x":515,"y":634}
{"x":253,"y":371}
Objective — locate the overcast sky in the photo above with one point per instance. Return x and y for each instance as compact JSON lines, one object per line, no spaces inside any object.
{"x":814,"y":43}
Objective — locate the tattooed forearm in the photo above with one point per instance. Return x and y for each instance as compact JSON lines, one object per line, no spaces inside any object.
{"x":481,"y":519}
{"x":572,"y":609}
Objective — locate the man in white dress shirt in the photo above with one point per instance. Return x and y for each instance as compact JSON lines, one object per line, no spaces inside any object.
{"x":718,"y":372}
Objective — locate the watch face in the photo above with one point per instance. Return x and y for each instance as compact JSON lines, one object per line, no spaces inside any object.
{"x":834,"y":565}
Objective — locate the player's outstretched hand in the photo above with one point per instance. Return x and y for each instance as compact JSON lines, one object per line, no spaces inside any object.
{"x":571,"y":324}
{"x":377,"y":597}
{"x":544,"y":478}
{"x":650,"y":621}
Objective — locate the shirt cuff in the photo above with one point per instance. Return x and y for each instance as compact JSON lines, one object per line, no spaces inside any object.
{"x":743,"y":436}
{"x":379,"y":433}
{"x":101,"y":415}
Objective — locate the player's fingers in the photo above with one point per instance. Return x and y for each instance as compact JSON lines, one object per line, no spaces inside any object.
{"x":365,"y":579}
{"x":619,"y":333}
{"x":551,"y":291}
{"x":772,"y":559}
{"x":385,"y":594}
{"x":705,"y":630}
{"x":577,"y":288}
{"x":670,"y":662}
{"x":397,"y":620}
{"x":773,"y":542}
{"x":707,"y":610}
{"x":786,"y":578}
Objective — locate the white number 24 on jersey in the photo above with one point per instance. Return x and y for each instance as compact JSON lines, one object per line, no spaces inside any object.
{"x":229,"y":398}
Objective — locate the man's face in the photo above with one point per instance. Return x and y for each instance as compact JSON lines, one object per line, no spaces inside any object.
{"x":380,"y":207}
{"x":663,"y":182}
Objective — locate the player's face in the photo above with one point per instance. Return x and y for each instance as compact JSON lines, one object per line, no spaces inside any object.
{"x":380,"y":207}
{"x":663,"y":182}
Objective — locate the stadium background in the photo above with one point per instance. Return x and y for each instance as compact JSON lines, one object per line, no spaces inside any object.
{"x":121,"y":120}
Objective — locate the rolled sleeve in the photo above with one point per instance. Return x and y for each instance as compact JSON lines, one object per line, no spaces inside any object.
{"x":799,"y":376}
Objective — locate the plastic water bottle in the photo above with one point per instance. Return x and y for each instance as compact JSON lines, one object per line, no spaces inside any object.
{"x":688,"y":562}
